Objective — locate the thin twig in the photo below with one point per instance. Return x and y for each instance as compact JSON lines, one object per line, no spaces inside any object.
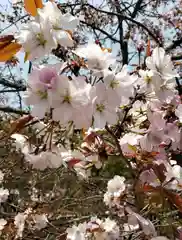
{"x":119,"y":149}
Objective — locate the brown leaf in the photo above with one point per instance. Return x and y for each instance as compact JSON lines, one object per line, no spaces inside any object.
{"x":8,"y":50}
{"x":20,"y":123}
{"x":5,"y":40}
{"x":32,"y":5}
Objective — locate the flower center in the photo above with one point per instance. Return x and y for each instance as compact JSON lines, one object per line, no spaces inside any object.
{"x":67,"y":99}
{"x":114,"y":84}
{"x":147,"y":79}
{"x":100,"y":107}
{"x":42,"y":95}
{"x":40,"y":38}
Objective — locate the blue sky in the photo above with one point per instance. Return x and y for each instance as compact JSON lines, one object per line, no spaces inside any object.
{"x":94,"y":2}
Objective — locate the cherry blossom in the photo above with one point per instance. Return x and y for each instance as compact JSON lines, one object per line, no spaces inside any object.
{"x":104,"y":110}
{"x":37,"y":39}
{"x":60,"y":23}
{"x":77,"y":232}
{"x":73,"y":102}
{"x":3,"y":222}
{"x":4,"y":194}
{"x":41,"y":82}
{"x":40,"y":221}
{"x":97,"y":59}
{"x":115,"y":188}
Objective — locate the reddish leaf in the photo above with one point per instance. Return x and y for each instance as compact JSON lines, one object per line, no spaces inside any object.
{"x":32,"y":5}
{"x":8,"y":50}
{"x":20,"y":124}
{"x":72,"y":162}
{"x":5,"y":40}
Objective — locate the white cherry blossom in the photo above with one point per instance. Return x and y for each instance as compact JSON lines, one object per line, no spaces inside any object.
{"x":77,"y":232}
{"x":97,"y":59}
{"x":60,"y":23}
{"x":120,"y":85}
{"x":36,"y":39}
{"x":4,"y":194}
{"x":115,"y":188}
{"x":3,"y":222}
{"x":161,"y":63}
{"x":41,"y":82}
{"x":104,"y":107}
{"x":73,"y":102}
{"x":40,"y":221}
{"x":129,"y":142}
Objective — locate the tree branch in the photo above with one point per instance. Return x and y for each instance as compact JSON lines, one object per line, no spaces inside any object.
{"x":8,"y":109}
{"x":12,"y":85}
{"x":137,"y":8}
{"x":10,"y":91}
{"x":120,"y":151}
{"x":123,"y":43}
{"x":177,"y":57}
{"x":175,"y":44}
{"x":129,"y":19}
{"x":100,"y":30}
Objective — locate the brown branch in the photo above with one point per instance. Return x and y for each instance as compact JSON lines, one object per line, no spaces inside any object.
{"x":155,"y":38}
{"x":123,"y":43}
{"x":123,"y":11}
{"x":6,"y":83}
{"x":100,"y":30}
{"x":9,"y":91}
{"x":137,"y":8}
{"x":8,"y":109}
{"x":21,"y":18}
{"x":175,"y":44}
{"x":177,"y":57}
{"x":120,"y":151}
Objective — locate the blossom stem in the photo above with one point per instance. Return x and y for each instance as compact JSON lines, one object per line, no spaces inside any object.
{"x":120,"y":151}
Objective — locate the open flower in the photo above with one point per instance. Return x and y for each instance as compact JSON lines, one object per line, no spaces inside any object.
{"x":77,"y":232}
{"x":129,"y":142}
{"x":103,"y":229}
{"x":120,"y":85}
{"x":4,"y":193}
{"x":161,"y":63}
{"x":73,"y":102}
{"x":41,"y":82}
{"x":115,"y":188}
{"x":37,"y":39}
{"x":104,"y":109}
{"x":43,"y":160}
{"x":96,"y":59}
{"x":3,"y":222}
{"x":40,"y":221}
{"x":61,"y":24}
{"x":163,"y":75}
